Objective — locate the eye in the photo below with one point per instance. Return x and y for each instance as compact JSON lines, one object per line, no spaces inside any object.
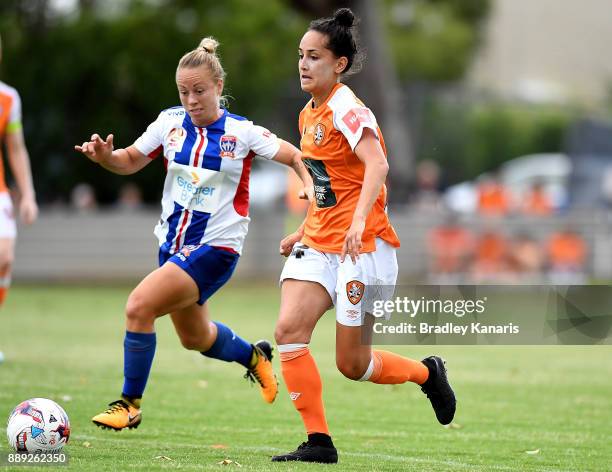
{"x":300,"y":55}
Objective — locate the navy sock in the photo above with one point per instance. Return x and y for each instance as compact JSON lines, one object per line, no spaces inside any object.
{"x":230,"y":347}
{"x":138,"y":352}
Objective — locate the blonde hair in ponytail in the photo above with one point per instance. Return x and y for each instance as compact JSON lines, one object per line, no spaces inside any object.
{"x":204,"y":55}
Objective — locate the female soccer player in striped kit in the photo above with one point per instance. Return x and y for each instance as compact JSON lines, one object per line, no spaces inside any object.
{"x":344,"y":151}
{"x":11,"y":133}
{"x":208,"y":153}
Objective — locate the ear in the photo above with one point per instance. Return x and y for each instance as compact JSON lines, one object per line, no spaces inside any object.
{"x":341,"y":64}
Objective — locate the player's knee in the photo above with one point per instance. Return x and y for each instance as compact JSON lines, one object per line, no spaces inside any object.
{"x":285,"y":333}
{"x":351,"y":369}
{"x":192,"y":343}
{"x":6,"y":262}
{"x":138,"y":310}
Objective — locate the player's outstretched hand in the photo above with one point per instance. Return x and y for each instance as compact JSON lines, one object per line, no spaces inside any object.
{"x":97,"y":150}
{"x":352,"y":243}
{"x":286,"y":245}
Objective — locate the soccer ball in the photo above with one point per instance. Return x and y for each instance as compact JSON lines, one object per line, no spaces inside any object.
{"x":38,"y":425}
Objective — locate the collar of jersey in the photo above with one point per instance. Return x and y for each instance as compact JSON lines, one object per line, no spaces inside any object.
{"x":214,"y":124}
{"x":331,"y":94}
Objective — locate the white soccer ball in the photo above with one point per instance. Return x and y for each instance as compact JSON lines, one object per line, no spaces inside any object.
{"x":38,"y":425}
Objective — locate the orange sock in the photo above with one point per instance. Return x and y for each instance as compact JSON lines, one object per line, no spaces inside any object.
{"x":391,"y":368}
{"x":305,"y":388}
{"x":3,"y":292}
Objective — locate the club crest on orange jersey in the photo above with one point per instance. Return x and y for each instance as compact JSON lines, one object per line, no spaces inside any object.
{"x":319,"y":133}
{"x":354,"y":291}
{"x":228,"y":146}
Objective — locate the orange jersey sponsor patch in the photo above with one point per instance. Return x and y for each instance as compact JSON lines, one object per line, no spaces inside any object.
{"x":329,"y":134}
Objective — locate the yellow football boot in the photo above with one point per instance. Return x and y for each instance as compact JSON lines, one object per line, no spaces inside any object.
{"x":262,"y":372}
{"x":119,"y":415}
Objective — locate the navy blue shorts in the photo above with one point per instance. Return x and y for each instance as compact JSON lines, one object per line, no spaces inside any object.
{"x":208,"y":266}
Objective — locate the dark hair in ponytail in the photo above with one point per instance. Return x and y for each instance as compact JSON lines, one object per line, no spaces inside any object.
{"x":341,"y":35}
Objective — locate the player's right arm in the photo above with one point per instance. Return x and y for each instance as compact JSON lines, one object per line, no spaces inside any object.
{"x":120,"y":161}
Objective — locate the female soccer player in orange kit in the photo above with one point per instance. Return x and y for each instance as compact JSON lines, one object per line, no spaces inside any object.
{"x":11,"y":133}
{"x":344,"y":151}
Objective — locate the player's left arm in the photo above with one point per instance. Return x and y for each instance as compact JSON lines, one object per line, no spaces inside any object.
{"x":370,"y":152}
{"x":291,"y":156}
{"x":19,"y":161}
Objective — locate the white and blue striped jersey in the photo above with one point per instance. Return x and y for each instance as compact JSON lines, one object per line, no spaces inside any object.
{"x":206,"y":191}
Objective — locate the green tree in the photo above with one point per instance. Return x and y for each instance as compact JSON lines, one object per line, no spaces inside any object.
{"x":434,"y":40}
{"x":113,"y":71}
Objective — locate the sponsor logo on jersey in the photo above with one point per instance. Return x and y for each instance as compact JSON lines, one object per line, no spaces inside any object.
{"x":352,"y":314}
{"x":325,"y":196}
{"x":355,"y":118}
{"x":319,"y":133}
{"x":228,"y":146}
{"x":196,"y":189}
{"x":176,"y":138}
{"x":266,"y":133}
{"x":354,"y":291}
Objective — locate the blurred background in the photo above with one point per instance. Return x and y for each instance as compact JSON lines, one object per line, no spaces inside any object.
{"x":496,"y":113}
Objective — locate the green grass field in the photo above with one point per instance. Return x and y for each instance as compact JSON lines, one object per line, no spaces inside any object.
{"x":66,"y":344}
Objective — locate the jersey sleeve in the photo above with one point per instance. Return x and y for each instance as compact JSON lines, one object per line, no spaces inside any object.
{"x":14,"y":121}
{"x":351,"y":119}
{"x":263,"y":142}
{"x":151,"y":142}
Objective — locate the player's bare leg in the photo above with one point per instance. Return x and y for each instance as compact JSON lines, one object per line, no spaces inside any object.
{"x":302,"y":305}
{"x":7,"y":254}
{"x":198,"y":333}
{"x":357,"y":361}
{"x":164,"y":290}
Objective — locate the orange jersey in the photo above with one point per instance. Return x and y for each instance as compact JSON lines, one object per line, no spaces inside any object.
{"x":10,"y":121}
{"x":329,"y":134}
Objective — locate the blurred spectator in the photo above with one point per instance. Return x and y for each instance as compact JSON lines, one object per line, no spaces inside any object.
{"x":490,"y":257}
{"x":567,"y":253}
{"x":83,"y":198}
{"x":450,"y":248}
{"x":526,"y":258}
{"x":427,"y":195}
{"x":537,"y":202}
{"x":493,"y":198}
{"x":130,"y":197}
